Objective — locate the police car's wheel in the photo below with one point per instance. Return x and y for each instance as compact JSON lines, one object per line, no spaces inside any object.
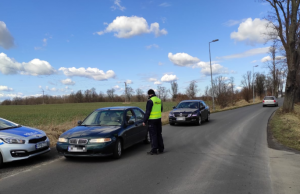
{"x":117,"y":149}
{"x":1,"y":161}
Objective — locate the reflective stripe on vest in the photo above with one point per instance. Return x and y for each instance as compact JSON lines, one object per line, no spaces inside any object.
{"x":156,"y":109}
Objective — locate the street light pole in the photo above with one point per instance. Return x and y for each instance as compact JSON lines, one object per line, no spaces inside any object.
{"x":253,"y":82}
{"x":212,"y":86}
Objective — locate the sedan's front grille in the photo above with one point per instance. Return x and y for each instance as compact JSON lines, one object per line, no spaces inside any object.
{"x":37,"y":139}
{"x":185,"y":114}
{"x":78,"y":141}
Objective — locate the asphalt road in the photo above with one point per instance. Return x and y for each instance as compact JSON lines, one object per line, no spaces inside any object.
{"x":229,"y":154}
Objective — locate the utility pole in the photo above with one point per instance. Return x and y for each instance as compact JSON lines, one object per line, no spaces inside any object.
{"x":43,"y":97}
{"x":125,"y":91}
{"x":212,"y":85}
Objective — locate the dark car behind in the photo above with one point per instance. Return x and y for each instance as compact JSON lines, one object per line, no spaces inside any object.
{"x":190,"y":111}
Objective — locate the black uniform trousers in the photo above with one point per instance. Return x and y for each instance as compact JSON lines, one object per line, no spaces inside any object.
{"x":155,"y":131}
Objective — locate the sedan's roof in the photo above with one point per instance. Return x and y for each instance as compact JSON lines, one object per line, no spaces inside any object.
{"x":192,"y":101}
{"x":117,"y":108}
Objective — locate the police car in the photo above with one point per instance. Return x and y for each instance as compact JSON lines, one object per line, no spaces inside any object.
{"x":18,"y":142}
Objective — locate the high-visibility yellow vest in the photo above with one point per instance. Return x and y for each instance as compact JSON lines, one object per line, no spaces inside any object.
{"x":156,"y":109}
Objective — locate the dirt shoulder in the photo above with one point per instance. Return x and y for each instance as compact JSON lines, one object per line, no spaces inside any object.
{"x":284,"y":130}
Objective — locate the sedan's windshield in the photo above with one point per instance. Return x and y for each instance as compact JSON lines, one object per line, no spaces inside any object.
{"x":104,"y":117}
{"x":188,"y":105}
{"x":4,"y":124}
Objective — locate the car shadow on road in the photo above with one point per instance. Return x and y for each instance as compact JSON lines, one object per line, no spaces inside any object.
{"x":127,"y":153}
{"x":192,"y":124}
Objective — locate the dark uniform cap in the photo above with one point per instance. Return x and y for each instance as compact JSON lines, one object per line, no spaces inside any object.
{"x":151,"y":92}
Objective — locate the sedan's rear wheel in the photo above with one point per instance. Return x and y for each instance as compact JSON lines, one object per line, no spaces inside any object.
{"x":117,"y":149}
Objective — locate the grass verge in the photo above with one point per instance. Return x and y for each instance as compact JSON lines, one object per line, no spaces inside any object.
{"x":285,"y":127}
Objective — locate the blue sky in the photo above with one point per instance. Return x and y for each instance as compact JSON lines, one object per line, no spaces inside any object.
{"x":65,"y":46}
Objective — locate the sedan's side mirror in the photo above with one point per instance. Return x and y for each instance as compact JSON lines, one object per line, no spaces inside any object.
{"x":79,"y":123}
{"x":174,"y":107}
{"x":130,"y":122}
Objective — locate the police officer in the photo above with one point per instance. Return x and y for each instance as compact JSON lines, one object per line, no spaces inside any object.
{"x":153,"y":117}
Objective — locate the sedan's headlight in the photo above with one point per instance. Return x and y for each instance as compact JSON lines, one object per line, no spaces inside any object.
{"x":100,"y":140}
{"x":12,"y":140}
{"x":63,"y":140}
{"x":171,"y":114}
{"x":195,"y":114}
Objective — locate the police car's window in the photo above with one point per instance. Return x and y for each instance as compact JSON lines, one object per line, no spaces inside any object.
{"x":4,"y":124}
{"x":139,"y":115}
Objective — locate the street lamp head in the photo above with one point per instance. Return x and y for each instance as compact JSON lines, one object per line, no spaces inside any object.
{"x":215,"y":40}
{"x":256,"y":66}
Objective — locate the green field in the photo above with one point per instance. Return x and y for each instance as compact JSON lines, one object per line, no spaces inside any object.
{"x":35,"y":115}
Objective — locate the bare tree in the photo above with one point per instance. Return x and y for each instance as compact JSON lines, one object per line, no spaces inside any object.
{"x":129,"y":93}
{"x":285,"y":22}
{"x":139,"y":95}
{"x":162,"y":93}
{"x":174,"y":90}
{"x":192,"y":90}
{"x":247,"y":86}
{"x":260,"y":84}
{"x":111,"y":94}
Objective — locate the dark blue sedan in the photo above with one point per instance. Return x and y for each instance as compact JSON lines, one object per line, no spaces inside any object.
{"x":105,"y":132}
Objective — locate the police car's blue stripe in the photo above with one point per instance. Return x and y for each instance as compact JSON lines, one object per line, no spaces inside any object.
{"x":1,"y":143}
{"x":22,"y":131}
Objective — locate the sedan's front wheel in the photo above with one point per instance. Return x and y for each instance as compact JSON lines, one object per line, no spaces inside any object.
{"x":117,"y":149}
{"x":208,"y":117}
{"x":199,"y":120}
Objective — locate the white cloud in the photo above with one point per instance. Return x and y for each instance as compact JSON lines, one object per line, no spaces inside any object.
{"x":20,"y":95}
{"x":165,"y":4}
{"x":160,"y":63}
{"x":252,"y":31}
{"x":129,"y":81}
{"x":34,"y":67}
{"x":183,"y":59}
{"x":168,"y":78}
{"x":5,"y":88}
{"x":216,"y":68}
{"x":152,"y":79}
{"x":53,"y":89}
{"x":248,"y":53}
{"x":152,"y":45}
{"x":45,"y":42}
{"x":268,"y":58}
{"x":255,"y":61}
{"x":67,"y":82}
{"x":233,"y":22}
{"x":118,"y":5}
{"x":6,"y":39}
{"x":238,"y":88}
{"x":93,"y":73}
{"x":118,"y":88}
{"x":157,"y":83}
{"x":37,"y":67}
{"x":126,"y":27}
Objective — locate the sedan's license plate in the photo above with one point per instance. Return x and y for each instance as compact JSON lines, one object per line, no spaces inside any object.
{"x":73,"y":148}
{"x":180,"y":118}
{"x":41,"y":145}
